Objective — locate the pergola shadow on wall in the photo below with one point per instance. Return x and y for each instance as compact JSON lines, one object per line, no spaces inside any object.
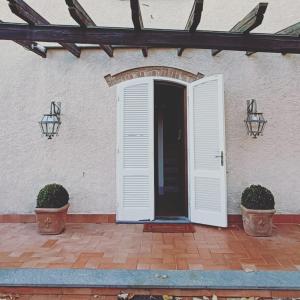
{"x":238,"y":38}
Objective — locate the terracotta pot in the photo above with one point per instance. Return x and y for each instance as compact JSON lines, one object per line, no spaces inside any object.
{"x":257,"y":222}
{"x":51,"y":220}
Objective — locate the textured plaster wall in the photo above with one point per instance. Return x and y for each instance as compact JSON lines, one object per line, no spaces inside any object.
{"x":83,"y":156}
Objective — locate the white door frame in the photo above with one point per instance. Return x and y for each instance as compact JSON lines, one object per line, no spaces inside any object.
{"x":186,"y":85}
{"x":119,"y":87}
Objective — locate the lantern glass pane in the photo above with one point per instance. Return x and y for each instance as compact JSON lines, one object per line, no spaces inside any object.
{"x":49,"y":125}
{"x":43,"y":127}
{"x":254,"y":117}
{"x":255,"y":127}
{"x":55,"y":128}
{"x":262,"y":125}
{"x":50,"y":128}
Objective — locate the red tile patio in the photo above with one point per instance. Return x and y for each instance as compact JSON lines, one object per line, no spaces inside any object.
{"x":112,"y":246}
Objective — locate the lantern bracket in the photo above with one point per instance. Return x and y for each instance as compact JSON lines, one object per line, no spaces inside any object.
{"x":55,"y":108}
{"x":251,"y":106}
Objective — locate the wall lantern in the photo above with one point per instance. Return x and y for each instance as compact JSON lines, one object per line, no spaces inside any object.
{"x":50,"y":123}
{"x":255,"y":121}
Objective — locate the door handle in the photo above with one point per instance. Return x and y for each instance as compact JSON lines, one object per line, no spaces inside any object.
{"x":222,"y":158}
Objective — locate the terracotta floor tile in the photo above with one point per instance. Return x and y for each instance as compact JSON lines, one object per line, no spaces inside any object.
{"x":49,"y":243}
{"x":218,"y":258}
{"x":222,"y":250}
{"x":92,"y":263}
{"x":45,"y":297}
{"x":10,"y":264}
{"x":143,"y":266}
{"x":249,"y":267}
{"x":269,"y":259}
{"x":150,"y":260}
{"x":196,"y":267}
{"x":75,"y":297}
{"x":98,"y":246}
{"x":182,"y":264}
{"x":120,"y":259}
{"x":163,"y":266}
{"x":169,"y":259}
{"x":204,"y":253}
{"x":132,"y":260}
{"x":80,"y":262}
{"x":60,"y":265}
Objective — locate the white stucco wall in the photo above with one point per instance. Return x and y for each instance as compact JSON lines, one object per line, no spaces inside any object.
{"x":82,"y":158}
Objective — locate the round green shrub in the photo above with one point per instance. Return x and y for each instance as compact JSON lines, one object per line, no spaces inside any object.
{"x":258,"y":197}
{"x":52,"y":196}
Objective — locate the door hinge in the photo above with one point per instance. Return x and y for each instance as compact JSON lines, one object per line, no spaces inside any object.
{"x":222,"y":158}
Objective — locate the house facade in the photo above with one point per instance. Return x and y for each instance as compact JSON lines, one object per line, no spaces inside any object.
{"x":149,"y":137}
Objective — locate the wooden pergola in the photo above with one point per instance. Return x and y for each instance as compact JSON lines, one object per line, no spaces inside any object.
{"x":238,"y":38}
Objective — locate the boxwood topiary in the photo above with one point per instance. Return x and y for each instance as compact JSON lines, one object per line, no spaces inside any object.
{"x":52,"y":196}
{"x":258,"y":197}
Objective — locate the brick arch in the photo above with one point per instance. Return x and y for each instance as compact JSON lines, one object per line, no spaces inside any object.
{"x":153,"y":71}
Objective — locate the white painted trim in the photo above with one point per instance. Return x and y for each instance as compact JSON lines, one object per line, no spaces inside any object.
{"x":120,"y":88}
{"x":154,"y":78}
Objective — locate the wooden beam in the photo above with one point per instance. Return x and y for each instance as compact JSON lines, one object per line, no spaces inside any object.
{"x":32,"y":46}
{"x":193,"y":20}
{"x":251,"y":21}
{"x":293,"y":30}
{"x":29,"y":15}
{"x":137,"y":20}
{"x":159,"y":38}
{"x":78,"y":13}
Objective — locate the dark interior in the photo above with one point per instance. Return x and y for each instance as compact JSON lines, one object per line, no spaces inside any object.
{"x":170,"y":150}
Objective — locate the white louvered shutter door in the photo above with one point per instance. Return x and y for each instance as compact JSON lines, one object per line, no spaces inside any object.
{"x":135,"y":171}
{"x":207,"y":169}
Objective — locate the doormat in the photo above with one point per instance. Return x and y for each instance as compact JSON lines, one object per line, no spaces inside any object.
{"x":169,"y":228}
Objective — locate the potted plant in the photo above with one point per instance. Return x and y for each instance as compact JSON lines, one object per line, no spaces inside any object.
{"x":257,"y":206}
{"x":51,"y":209}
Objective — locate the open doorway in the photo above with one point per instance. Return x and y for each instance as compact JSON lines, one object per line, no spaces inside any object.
{"x":170,"y":148}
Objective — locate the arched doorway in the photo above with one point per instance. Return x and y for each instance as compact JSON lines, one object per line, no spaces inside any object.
{"x":195,"y":140}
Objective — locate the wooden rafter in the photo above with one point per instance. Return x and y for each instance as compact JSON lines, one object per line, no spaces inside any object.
{"x":84,"y":20}
{"x":137,"y":20}
{"x":193,"y":20}
{"x":29,"y":15}
{"x":249,"y":22}
{"x":32,"y":46}
{"x":159,"y":38}
{"x":293,"y":30}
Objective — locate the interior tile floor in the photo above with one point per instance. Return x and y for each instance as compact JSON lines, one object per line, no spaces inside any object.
{"x":112,"y":246}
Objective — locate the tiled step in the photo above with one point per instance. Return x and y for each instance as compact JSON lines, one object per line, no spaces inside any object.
{"x":33,"y":284}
